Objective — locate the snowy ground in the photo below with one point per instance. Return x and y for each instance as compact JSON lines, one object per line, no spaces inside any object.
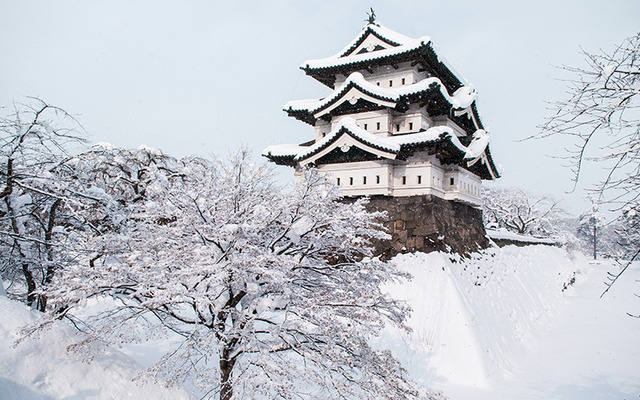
{"x":503,"y":328}
{"x":499,"y":326}
{"x":44,"y":369}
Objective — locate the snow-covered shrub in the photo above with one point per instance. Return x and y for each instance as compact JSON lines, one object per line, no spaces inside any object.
{"x":520,"y":212}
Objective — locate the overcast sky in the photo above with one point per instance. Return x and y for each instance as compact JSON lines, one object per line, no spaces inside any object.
{"x":204,"y":77}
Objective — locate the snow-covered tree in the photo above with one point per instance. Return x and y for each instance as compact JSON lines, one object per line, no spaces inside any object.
{"x":520,"y":212}
{"x":590,"y":224}
{"x":628,"y":229}
{"x":602,"y":115}
{"x":39,"y":207}
{"x":273,"y":293}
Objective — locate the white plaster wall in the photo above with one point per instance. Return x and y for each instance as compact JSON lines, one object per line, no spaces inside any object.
{"x":357,"y":171}
{"x":466,"y":186}
{"x":371,"y":119}
{"x":412,"y":121}
{"x":321,"y":129}
{"x":387,"y":76}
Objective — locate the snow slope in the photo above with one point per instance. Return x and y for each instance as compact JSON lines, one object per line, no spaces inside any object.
{"x":506,"y":324}
{"x":509,"y":324}
{"x":43,"y":368}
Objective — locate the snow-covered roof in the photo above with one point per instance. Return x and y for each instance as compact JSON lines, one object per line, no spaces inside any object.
{"x":383,"y":33}
{"x":503,"y":234}
{"x":397,"y":44}
{"x":388,"y":46}
{"x":390,"y":146}
{"x":461,"y":98}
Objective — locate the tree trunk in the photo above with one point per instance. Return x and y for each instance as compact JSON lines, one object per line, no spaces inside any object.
{"x":48,"y":236}
{"x":31,"y":284}
{"x":594,"y":241}
{"x":226,"y":368}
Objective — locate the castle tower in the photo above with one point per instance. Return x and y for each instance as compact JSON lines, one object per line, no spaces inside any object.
{"x":401,"y":127}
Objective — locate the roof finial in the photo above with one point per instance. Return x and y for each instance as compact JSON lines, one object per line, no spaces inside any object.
{"x":371,"y":17}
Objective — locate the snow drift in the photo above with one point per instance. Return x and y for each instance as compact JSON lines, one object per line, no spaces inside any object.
{"x":44,"y":368}
{"x":517,"y":323}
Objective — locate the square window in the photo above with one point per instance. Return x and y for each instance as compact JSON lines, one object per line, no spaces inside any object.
{"x":452,"y":181}
{"x":378,"y":83}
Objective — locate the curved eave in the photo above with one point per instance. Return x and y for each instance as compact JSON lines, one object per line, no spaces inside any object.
{"x":341,"y":132}
{"x":310,"y":116}
{"x":476,"y":116}
{"x":282,"y":160}
{"x":400,"y":104}
{"x":493,"y":170}
{"x":424,"y":53}
{"x":485,"y":170}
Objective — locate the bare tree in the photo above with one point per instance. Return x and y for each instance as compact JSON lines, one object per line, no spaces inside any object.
{"x":602,"y":115}
{"x":38,"y":206}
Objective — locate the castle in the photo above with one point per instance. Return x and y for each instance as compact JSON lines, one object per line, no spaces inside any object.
{"x":402,"y":128}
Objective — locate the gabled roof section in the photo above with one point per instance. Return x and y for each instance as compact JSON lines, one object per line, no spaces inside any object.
{"x":376,"y":35}
{"x":348,"y":133}
{"x":337,"y":60}
{"x":393,"y":48}
{"x":475,"y":156}
{"x":355,"y":87}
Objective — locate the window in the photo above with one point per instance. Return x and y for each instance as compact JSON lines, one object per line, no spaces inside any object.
{"x":452,"y":181}
{"x":397,"y":127}
{"x":378,"y":125}
{"x":378,"y":83}
{"x":404,"y":180}
{"x":338,"y":181}
{"x":403,"y":81}
{"x":410,"y":126}
{"x":365,"y":127}
{"x":377,"y":178}
{"x":364,"y":180}
{"x":419,"y":179}
{"x":324,"y":134}
{"x":390,"y":83}
{"x":351,"y":180}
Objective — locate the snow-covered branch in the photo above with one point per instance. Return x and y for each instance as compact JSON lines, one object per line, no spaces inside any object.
{"x":215,"y":251}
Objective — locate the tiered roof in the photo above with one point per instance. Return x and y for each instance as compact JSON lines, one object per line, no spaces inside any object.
{"x":443,"y":93}
{"x":356,"y":88}
{"x":348,"y":134}
{"x":387,"y":48}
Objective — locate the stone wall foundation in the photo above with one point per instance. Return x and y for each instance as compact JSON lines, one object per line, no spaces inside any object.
{"x":428,"y":223}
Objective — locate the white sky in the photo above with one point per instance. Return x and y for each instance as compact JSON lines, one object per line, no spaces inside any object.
{"x":204,"y":77}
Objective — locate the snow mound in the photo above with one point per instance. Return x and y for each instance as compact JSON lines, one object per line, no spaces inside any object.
{"x":43,"y":369}
{"x":518,"y":323}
